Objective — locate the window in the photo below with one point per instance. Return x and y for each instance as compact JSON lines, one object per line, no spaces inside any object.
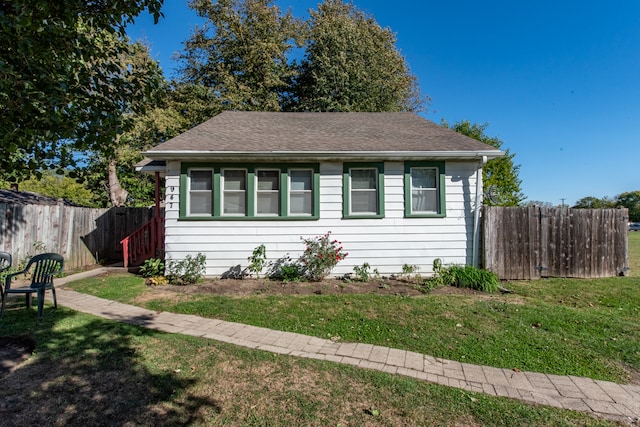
{"x":424,"y":189}
{"x":249,"y":191}
{"x":301,"y":192}
{"x":200,"y":192}
{"x":363,"y":190}
{"x":234,"y":194}
{"x":268,"y":192}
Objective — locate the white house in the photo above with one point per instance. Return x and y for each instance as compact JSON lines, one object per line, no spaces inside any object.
{"x":394,"y":188}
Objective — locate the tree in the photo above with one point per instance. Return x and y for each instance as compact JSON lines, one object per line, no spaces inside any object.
{"x":500,"y":176}
{"x":61,"y":85}
{"x":631,"y":201}
{"x":352,"y":64}
{"x":59,"y":187}
{"x":173,"y":109}
{"x":591,"y":202}
{"x":538,"y":203}
{"x":241,"y":52}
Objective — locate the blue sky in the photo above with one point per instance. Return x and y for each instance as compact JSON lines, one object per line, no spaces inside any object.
{"x":557,"y":81}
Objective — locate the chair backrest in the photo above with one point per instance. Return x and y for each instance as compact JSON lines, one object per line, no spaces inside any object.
{"x":5,"y":261}
{"x":45,"y":266}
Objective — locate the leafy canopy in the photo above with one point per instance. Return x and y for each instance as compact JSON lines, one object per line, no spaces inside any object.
{"x":629,"y":200}
{"x":245,"y":53}
{"x":241,"y":52}
{"x":500,"y":176}
{"x":63,"y":85}
{"x":59,"y":187}
{"x":352,"y":64}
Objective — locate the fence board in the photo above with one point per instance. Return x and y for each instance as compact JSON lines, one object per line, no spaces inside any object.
{"x":533,"y":242}
{"x":82,"y":236}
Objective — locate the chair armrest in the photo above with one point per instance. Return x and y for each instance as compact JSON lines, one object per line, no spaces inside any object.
{"x":8,"y":277}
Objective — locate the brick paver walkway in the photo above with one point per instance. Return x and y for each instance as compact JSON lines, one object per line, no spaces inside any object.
{"x":602,"y":398}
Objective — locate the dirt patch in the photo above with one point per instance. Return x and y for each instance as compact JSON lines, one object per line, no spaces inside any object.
{"x":14,"y":351}
{"x":260,"y":286}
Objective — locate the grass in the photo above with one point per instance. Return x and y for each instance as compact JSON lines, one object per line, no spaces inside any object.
{"x":585,"y":328}
{"x":91,"y":371}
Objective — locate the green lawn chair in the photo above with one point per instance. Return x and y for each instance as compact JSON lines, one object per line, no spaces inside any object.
{"x":41,"y":269}
{"x":5,"y":264}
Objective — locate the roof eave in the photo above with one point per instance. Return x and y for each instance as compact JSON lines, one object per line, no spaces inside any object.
{"x":205,"y":155}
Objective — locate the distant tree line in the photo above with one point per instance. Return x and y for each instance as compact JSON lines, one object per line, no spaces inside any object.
{"x":629,"y":200}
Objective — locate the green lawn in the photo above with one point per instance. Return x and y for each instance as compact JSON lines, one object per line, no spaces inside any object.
{"x":562,"y":326}
{"x":91,"y":371}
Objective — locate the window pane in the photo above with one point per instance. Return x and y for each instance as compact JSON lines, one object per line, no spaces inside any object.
{"x":268,"y":180}
{"x":268,"y":203}
{"x":200,"y":192}
{"x":301,"y":203}
{"x":235,"y":180}
{"x":423,"y":178}
{"x":234,"y":203}
{"x":362,"y":179}
{"x":200,"y":180}
{"x":364,"y":202}
{"x":424,"y":201}
{"x":200,"y":203}
{"x":300,"y":180}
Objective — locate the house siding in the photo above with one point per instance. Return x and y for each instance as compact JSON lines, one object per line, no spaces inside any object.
{"x":386,"y":243}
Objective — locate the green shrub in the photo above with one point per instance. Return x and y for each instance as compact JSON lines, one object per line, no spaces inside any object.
{"x":258,"y":259}
{"x":152,"y":267}
{"x":364,"y":273}
{"x":408,"y":270}
{"x":464,"y":277}
{"x":284,"y":268}
{"x":188,"y":271}
{"x":291,"y":273}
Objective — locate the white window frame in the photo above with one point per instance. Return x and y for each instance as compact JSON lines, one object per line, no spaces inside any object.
{"x":223,"y":192}
{"x":257,"y":191}
{"x":435,"y":190}
{"x":374,"y":190}
{"x":310,"y":191}
{"x":190,"y":191}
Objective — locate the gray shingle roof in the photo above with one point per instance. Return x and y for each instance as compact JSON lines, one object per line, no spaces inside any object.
{"x":307,"y":133}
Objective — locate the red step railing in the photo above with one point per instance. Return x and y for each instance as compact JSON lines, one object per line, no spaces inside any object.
{"x":144,"y":243}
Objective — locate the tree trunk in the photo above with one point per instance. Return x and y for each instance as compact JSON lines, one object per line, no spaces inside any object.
{"x":117,"y":194}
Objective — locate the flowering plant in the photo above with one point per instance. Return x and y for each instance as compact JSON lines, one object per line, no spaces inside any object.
{"x":320,"y":255}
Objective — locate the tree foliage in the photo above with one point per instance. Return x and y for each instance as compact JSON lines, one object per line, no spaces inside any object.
{"x":57,"y":186}
{"x":629,"y":200}
{"x":63,"y":85}
{"x":174,"y":108}
{"x":241,"y":52}
{"x":591,"y":202}
{"x":352,"y":64}
{"x":245,"y":54}
{"x":500,"y":176}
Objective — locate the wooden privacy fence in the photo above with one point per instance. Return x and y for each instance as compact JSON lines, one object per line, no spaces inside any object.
{"x":534,"y":242}
{"x":83,"y":236}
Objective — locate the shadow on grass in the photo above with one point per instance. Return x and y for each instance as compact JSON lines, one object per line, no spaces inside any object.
{"x":89,"y":371}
